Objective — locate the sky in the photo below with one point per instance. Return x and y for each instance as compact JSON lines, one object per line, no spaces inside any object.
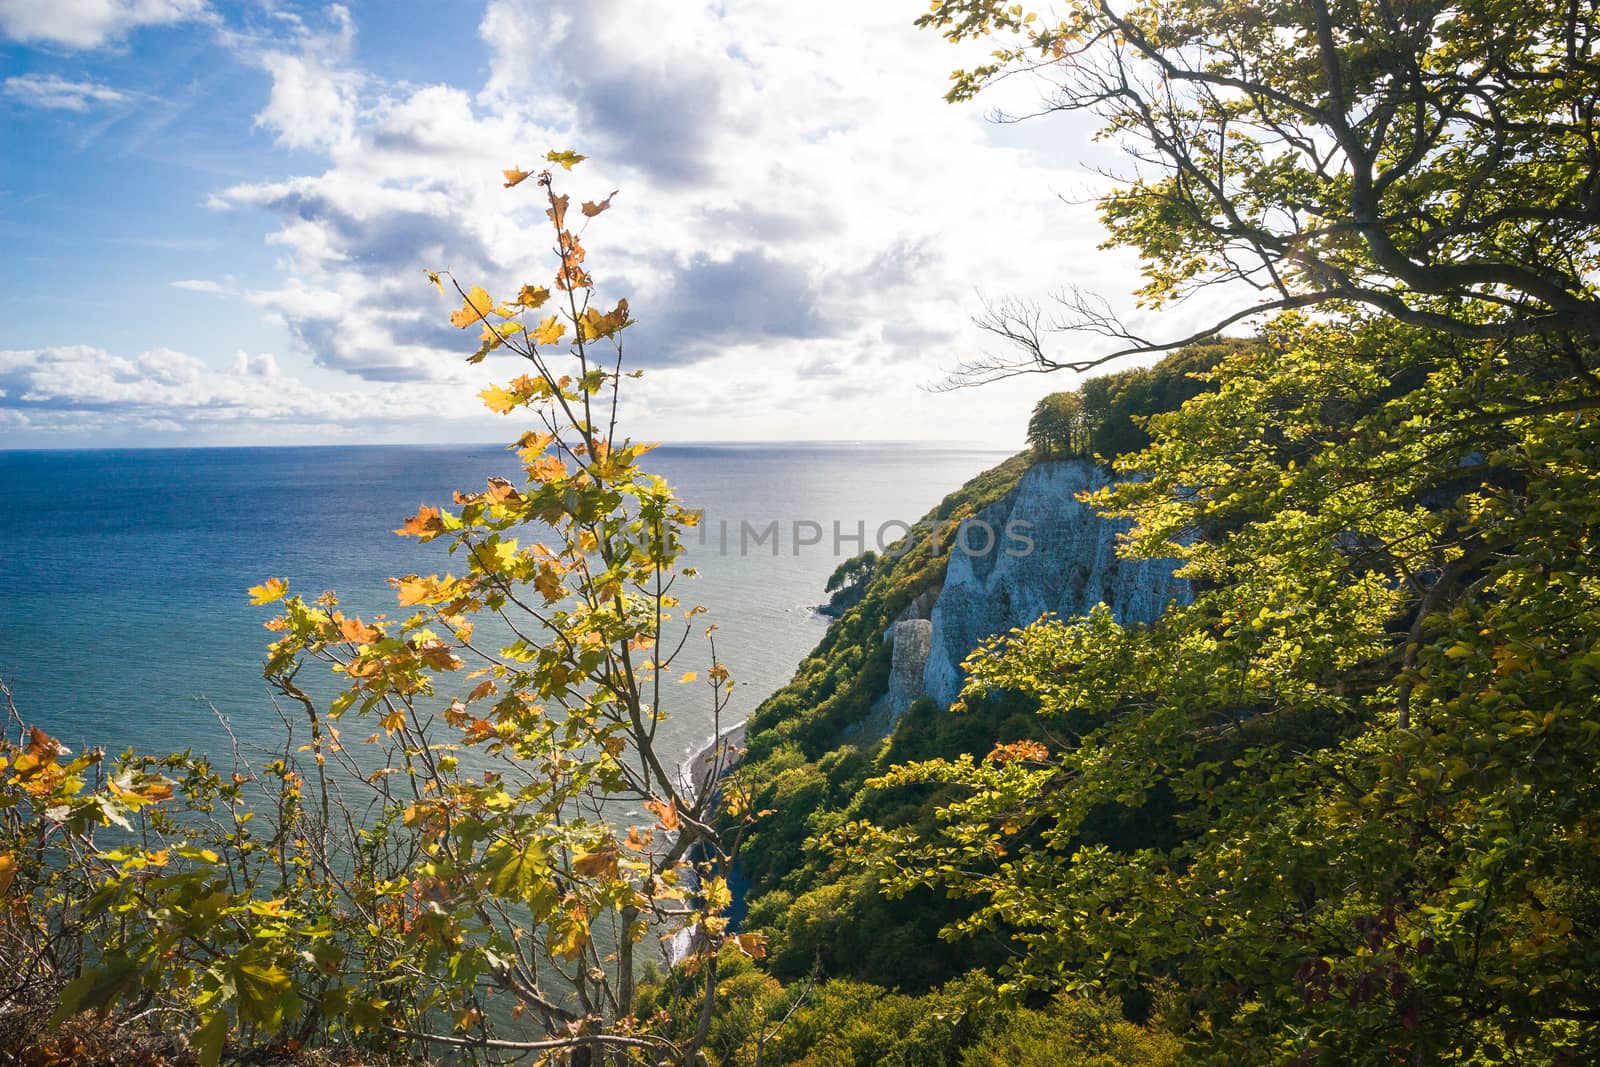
{"x":216,"y":217}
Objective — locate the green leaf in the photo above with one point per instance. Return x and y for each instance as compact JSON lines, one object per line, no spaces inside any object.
{"x":514,"y":870}
{"x":264,"y":989}
{"x":96,"y":990}
{"x":208,"y":1040}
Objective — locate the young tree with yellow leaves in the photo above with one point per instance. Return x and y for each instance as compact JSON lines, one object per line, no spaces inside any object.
{"x":482,"y":873}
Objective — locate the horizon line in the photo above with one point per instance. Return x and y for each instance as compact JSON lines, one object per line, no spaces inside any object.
{"x":840,"y":442}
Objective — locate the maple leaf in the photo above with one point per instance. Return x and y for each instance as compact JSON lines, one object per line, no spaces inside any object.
{"x":501,"y":490}
{"x":358,"y":632}
{"x":415,"y":590}
{"x":567,"y":159}
{"x":557,"y":211}
{"x":548,"y":583}
{"x":549,"y":332}
{"x":497,"y":399}
{"x":752,"y":945}
{"x":591,"y":209}
{"x":597,"y":324}
{"x":478,"y":305}
{"x":426,"y":524}
{"x":599,"y":864}
{"x":516,"y":176}
{"x":268,"y":591}
{"x":665,"y":812}
{"x":532,"y":296}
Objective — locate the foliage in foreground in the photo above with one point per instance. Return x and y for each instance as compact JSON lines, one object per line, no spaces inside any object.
{"x":479,"y":873}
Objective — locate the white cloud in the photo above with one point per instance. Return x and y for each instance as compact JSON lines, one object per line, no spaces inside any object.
{"x":314,"y":97}
{"x":78,"y":388}
{"x":793,"y":186}
{"x":56,"y":92}
{"x":88,"y":23}
{"x":200,"y":285}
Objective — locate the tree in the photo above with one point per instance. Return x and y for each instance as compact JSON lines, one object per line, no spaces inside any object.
{"x":1436,"y":161}
{"x":510,"y":832}
{"x":1060,"y":427}
{"x":848,"y":581}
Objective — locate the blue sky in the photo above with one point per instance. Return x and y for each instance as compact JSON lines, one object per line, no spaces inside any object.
{"x":215,"y":217}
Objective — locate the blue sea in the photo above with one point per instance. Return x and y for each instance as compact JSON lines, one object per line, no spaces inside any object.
{"x":124,"y":620}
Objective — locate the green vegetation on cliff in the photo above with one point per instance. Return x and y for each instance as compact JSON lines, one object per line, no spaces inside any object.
{"x":814,"y":744}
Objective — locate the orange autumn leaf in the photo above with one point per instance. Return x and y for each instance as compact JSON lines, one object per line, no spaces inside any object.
{"x":1020,"y":751}
{"x":591,"y":209}
{"x":501,"y":491}
{"x":666,"y":812}
{"x":515,"y":176}
{"x":598,"y":864}
{"x":426,"y":524}
{"x":357,"y":632}
{"x":557,"y":211}
{"x":547,"y":469}
{"x":752,"y":945}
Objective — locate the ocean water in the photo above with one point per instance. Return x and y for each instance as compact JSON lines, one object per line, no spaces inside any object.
{"x":124,"y":620}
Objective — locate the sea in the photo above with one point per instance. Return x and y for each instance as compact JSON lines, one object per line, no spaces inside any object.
{"x":124,"y":617}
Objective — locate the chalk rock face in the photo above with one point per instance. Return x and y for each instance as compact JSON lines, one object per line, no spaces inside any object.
{"x":913,"y":639}
{"x":1036,"y":550}
{"x":911,"y":633}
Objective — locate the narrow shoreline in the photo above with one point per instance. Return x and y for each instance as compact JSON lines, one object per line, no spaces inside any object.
{"x":715,"y":758}
{"x":700,"y":771}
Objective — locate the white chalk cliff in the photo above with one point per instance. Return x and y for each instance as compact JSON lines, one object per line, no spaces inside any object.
{"x":1072,"y":566}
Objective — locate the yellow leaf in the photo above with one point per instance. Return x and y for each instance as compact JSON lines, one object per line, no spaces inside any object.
{"x":688,"y":677}
{"x":8,"y":871}
{"x":515,"y":176}
{"x":478,"y":305}
{"x":433,"y":277}
{"x":549,"y":331}
{"x":497,"y":399}
{"x":270,"y":590}
{"x":595,"y":324}
{"x":567,"y":159}
{"x":414,"y":590}
{"x":532,"y":296}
